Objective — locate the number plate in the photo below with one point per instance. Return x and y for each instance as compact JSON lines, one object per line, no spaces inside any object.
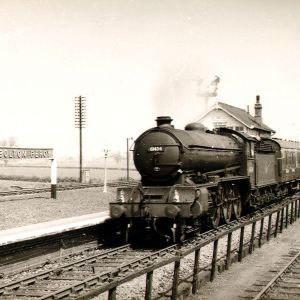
{"x":156,"y":149}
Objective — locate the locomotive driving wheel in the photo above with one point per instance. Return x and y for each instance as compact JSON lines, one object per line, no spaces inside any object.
{"x":237,"y":208}
{"x":227,"y":211}
{"x":236,"y":202}
{"x":226,"y":194}
{"x":215,"y":217}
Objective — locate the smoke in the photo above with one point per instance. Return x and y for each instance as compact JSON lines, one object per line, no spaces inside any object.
{"x":179,"y":93}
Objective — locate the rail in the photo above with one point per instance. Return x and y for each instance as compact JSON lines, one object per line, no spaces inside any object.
{"x":23,"y":191}
{"x":272,"y":283}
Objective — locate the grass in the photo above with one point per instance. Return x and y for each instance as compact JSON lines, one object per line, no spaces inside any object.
{"x":42,"y":174}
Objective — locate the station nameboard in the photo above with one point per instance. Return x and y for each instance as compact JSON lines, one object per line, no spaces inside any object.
{"x":23,"y":153}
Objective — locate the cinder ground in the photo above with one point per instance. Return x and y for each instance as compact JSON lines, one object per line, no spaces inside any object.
{"x":231,"y":284}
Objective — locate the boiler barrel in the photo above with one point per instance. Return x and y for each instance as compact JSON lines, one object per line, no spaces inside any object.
{"x":164,"y":151}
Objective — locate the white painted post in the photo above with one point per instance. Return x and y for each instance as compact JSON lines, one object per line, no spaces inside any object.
{"x":53,"y":177}
{"x":105,"y":170}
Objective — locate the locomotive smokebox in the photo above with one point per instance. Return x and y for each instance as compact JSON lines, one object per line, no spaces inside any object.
{"x":164,"y":121}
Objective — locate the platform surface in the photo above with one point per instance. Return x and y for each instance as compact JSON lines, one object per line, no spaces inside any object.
{"x":28,"y":232}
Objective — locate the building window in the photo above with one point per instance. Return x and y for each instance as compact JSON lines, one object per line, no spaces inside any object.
{"x":219,"y":124}
{"x":239,"y":128}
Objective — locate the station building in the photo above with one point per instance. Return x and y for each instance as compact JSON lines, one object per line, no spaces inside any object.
{"x":225,"y":115}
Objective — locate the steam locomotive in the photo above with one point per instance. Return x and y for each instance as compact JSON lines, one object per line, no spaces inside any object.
{"x":194,"y":177}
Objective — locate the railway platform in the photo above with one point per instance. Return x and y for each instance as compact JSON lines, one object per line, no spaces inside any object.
{"x":33,"y":231}
{"x":235,"y":283}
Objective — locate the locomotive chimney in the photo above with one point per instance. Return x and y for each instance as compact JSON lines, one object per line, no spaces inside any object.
{"x":164,"y":121}
{"x":258,"y":110}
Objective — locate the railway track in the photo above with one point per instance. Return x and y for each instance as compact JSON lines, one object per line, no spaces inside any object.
{"x":31,"y":254}
{"x":282,"y":282}
{"x":24,"y":191}
{"x":86,"y":277}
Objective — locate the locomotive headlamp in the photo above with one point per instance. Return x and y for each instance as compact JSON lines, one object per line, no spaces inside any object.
{"x":172,"y":211}
{"x":176,"y":196}
{"x":116,"y":211}
{"x":121,"y":197}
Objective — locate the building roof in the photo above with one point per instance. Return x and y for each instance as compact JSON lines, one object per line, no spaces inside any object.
{"x":287,"y":144}
{"x":242,"y":116}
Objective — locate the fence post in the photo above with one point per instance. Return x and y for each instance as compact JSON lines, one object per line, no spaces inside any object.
{"x":148,"y":292}
{"x":112,"y":293}
{"x":252,"y":237}
{"x":277,"y":223}
{"x":214,"y":261}
{"x":196,"y":271}
{"x":281,"y":219}
{"x":269,"y":227}
{"x":240,"y":255}
{"x":287,"y":216}
{"x":292,"y":213}
{"x":261,"y":231}
{"x":175,"y":279}
{"x":228,"y":254}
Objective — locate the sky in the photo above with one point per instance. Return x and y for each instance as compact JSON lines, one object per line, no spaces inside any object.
{"x":136,"y":60}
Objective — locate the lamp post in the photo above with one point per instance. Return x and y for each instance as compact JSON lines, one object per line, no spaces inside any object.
{"x":105,"y":170}
{"x":127,"y":155}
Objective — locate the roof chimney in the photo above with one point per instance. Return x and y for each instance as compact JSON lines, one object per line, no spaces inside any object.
{"x":258,"y":110}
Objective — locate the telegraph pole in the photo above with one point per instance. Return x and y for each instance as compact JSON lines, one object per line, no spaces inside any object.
{"x":127,"y":156}
{"x":80,"y":118}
